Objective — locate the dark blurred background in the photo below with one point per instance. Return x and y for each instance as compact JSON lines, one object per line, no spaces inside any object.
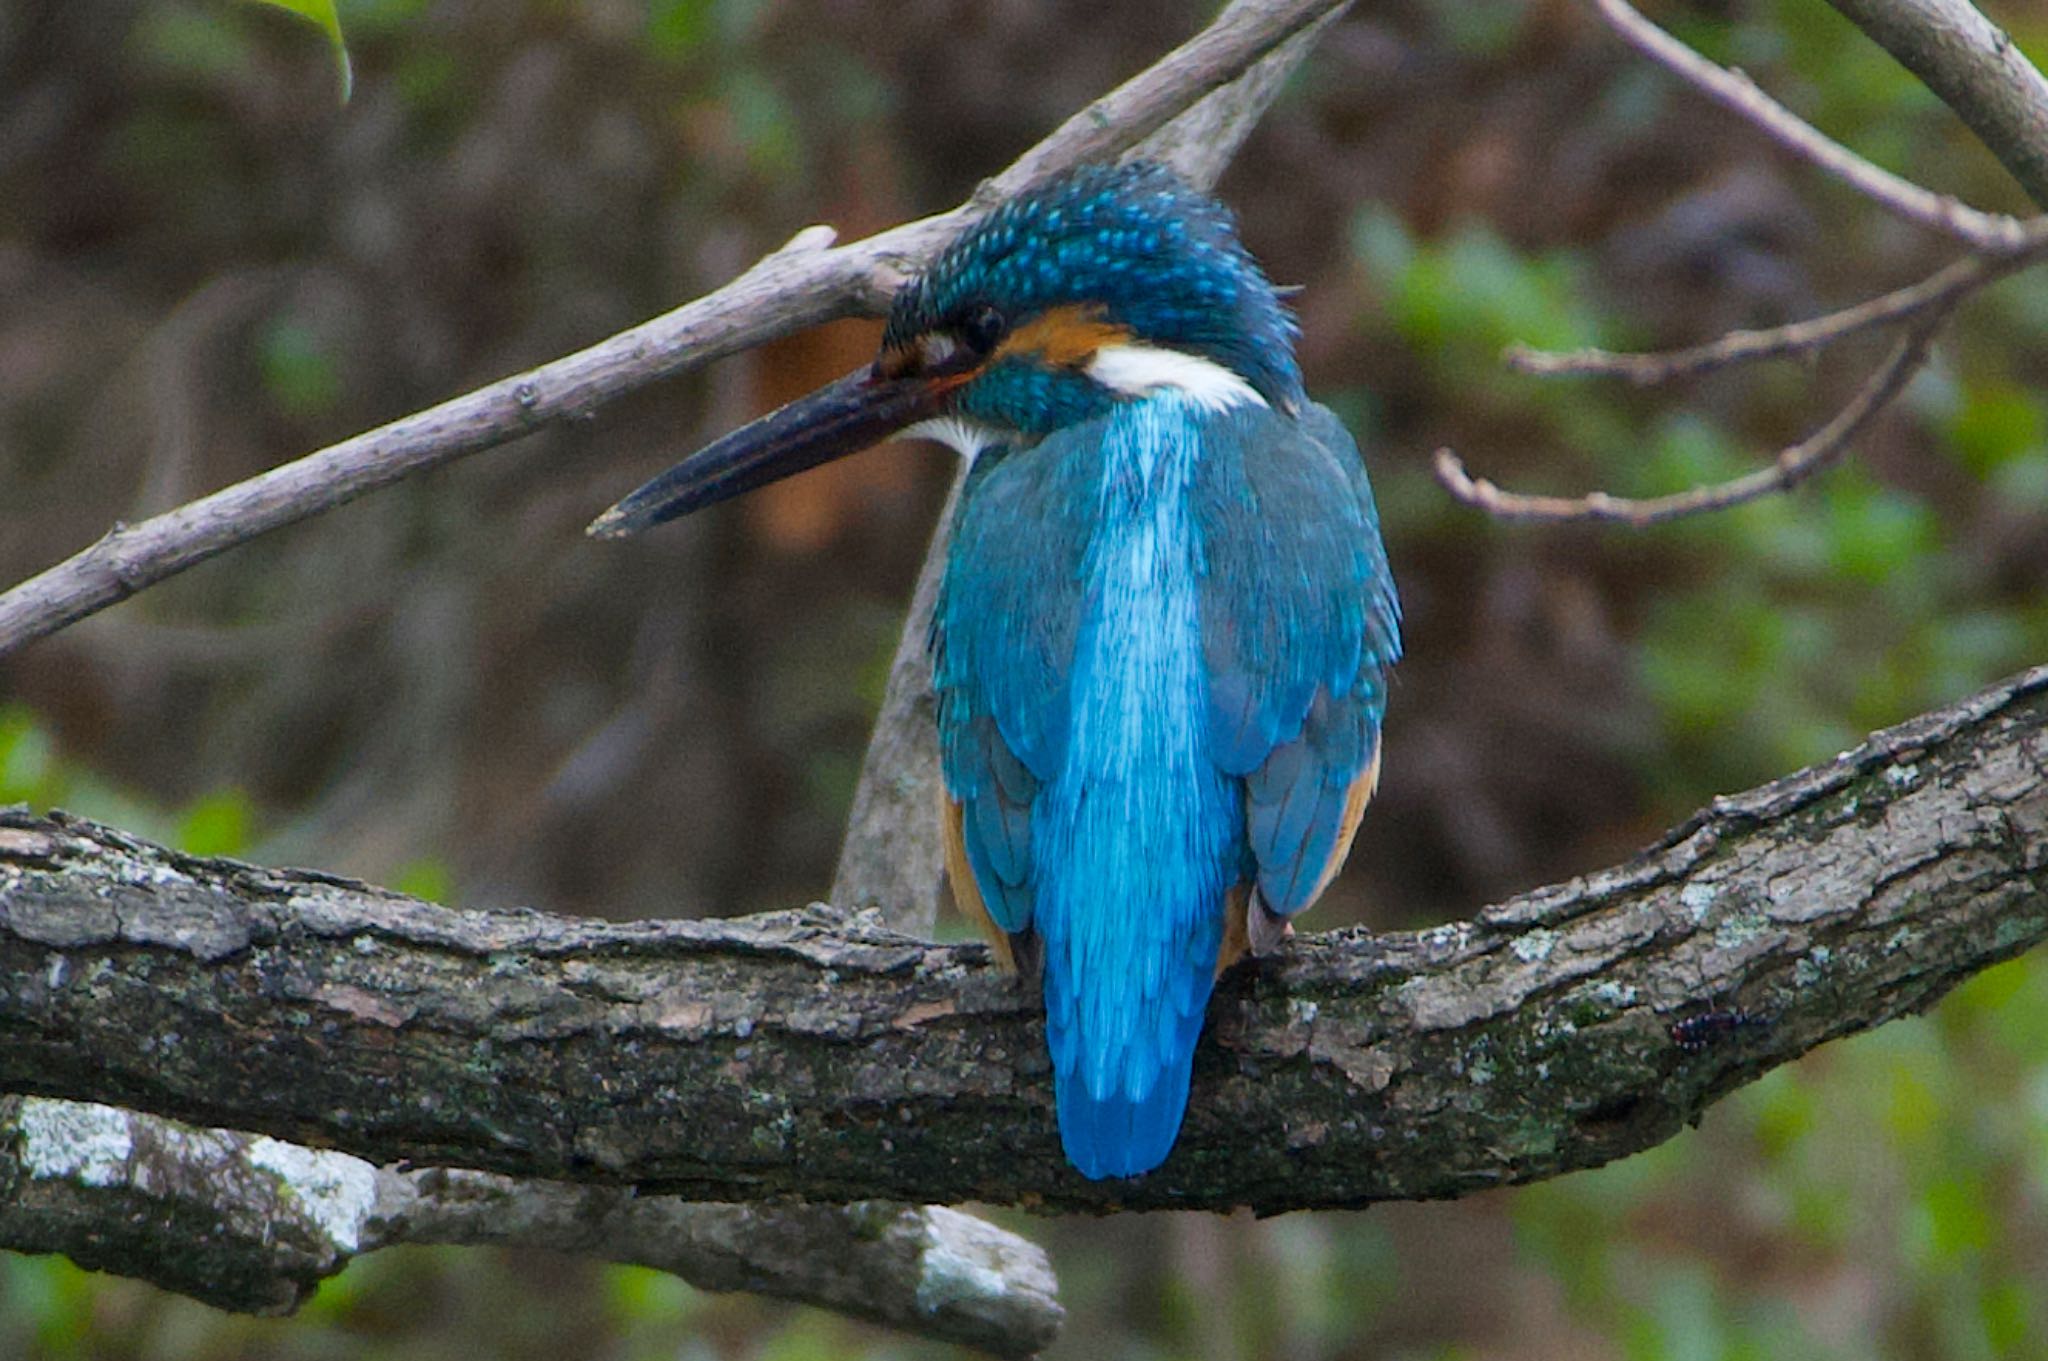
{"x":209,"y":265}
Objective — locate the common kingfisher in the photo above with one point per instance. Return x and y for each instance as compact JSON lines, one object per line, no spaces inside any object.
{"x":1161,"y":645}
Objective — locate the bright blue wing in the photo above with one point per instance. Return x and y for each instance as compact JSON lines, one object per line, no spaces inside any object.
{"x":1002,"y":649}
{"x":1299,"y":625}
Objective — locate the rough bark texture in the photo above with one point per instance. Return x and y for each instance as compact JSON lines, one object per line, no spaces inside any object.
{"x":809,"y":1055}
{"x":247,"y":1223}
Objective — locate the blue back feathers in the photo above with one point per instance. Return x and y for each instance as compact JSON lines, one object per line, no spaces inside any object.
{"x":1161,"y":643}
{"x":1150,"y":692}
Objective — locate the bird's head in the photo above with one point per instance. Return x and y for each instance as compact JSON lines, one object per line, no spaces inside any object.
{"x":1096,"y":287}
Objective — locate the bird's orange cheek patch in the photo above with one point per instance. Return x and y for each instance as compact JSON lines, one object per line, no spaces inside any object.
{"x":1062,"y":337}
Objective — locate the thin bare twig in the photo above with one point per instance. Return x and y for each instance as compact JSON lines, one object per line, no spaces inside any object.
{"x":1943,"y":289}
{"x":1793,"y":465}
{"x":2002,"y":245}
{"x":1993,"y":233}
{"x":806,"y":282}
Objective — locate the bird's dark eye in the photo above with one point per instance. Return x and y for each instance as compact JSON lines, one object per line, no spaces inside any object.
{"x":983,"y":328}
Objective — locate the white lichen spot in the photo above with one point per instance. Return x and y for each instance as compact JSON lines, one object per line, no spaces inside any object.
{"x":1812,"y":967}
{"x":743,"y":1028}
{"x":961,"y":1263}
{"x":1451,"y":935}
{"x":1534,"y":945}
{"x":75,"y":1141}
{"x":1739,"y":929}
{"x":1479,"y":1072}
{"x":1301,"y":1011}
{"x":337,"y":1191}
{"x":60,"y":969}
{"x":143,"y":872}
{"x":1613,"y":995}
{"x":1697,"y":898}
{"x":1901,"y":775}
{"x":1898,"y":939}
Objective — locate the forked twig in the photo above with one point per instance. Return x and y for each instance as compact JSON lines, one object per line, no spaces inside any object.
{"x":2000,"y":246}
{"x":1793,"y":465}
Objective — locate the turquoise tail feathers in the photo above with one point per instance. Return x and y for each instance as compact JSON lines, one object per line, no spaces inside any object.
{"x":1115,"y":1133}
{"x":1130,"y":912}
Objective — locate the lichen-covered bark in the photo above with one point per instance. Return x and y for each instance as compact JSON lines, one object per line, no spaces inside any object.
{"x":806,"y":1054}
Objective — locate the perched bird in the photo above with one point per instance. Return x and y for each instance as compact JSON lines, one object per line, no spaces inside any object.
{"x":1162,"y":641}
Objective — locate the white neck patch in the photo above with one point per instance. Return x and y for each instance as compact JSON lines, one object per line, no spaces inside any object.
{"x":962,"y":435}
{"x":1135,"y":369}
{"x":1132,"y":369}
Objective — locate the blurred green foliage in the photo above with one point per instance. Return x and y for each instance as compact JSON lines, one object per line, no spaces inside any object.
{"x":1802,"y":621}
{"x":1910,"y":1165}
{"x":298,"y":373}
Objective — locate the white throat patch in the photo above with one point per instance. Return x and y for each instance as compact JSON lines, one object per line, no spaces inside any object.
{"x":1135,"y":369}
{"x":963,"y":436}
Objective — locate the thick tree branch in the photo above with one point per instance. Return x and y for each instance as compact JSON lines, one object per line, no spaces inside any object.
{"x":804,"y":1054}
{"x":806,"y":282}
{"x":1976,"y":69}
{"x":246,"y":1223}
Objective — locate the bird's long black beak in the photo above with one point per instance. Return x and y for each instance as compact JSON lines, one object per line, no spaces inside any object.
{"x":842,"y":418}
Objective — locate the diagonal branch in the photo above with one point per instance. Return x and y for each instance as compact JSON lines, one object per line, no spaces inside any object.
{"x":810,"y":1055}
{"x":806,"y":282}
{"x":1976,"y":69}
{"x":1991,"y":232}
